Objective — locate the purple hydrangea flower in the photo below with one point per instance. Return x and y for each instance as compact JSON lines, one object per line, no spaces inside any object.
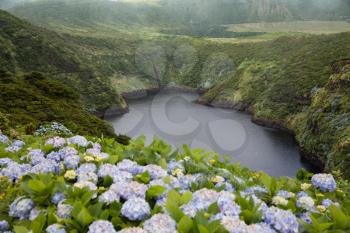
{"x":302,"y":194}
{"x":325,"y":182}
{"x":55,"y":156}
{"x":21,"y":207}
{"x":305,"y":217}
{"x":3,"y":138}
{"x":187,"y":180}
{"x":285,"y":194}
{"x":327,"y":203}
{"x":78,"y":140}
{"x":88,"y":176}
{"x":203,"y":198}
{"x":160,"y":223}
{"x":283,"y":221}
{"x":260,"y":228}
{"x":116,"y":174}
{"x":5,"y":161}
{"x":101,"y":226}
{"x":227,"y":205}
{"x":136,"y":209}
{"x":173,"y":164}
{"x":33,"y":214}
{"x":55,"y":228}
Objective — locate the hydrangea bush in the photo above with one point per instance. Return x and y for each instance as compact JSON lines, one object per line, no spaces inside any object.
{"x":59,"y":185}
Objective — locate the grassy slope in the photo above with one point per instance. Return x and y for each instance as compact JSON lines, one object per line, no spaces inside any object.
{"x":25,"y":48}
{"x":28,"y":100}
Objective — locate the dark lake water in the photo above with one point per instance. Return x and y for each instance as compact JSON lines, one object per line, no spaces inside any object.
{"x":175,"y":118}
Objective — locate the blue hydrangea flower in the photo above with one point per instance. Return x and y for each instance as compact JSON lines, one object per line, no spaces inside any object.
{"x":283,"y":221}
{"x":3,"y":138}
{"x":228,"y":186}
{"x":64,"y":210}
{"x":55,"y":156}
{"x":5,"y":161}
{"x":227,"y":205}
{"x":285,"y":194}
{"x":128,"y":190}
{"x":21,"y":207}
{"x":88,"y":176}
{"x":203,"y":198}
{"x":78,"y":140}
{"x":58,"y":197}
{"x":325,"y":182}
{"x":306,"y":203}
{"x":86,"y":184}
{"x":109,"y":197}
{"x":155,"y":171}
{"x":327,"y":203}
{"x":56,"y":142}
{"x":18,"y":143}
{"x":305,"y":217}
{"x":67,"y":151}
{"x":254,"y":190}
{"x":14,"y":170}
{"x":86,"y":168}
{"x":33,"y":214}
{"x":302,"y":194}
{"x":234,"y":225}
{"x":72,"y":162}
{"x":4,"y":225}
{"x":116,"y":174}
{"x":133,"y":230}
{"x":260,"y":228}
{"x":187,"y":180}
{"x":101,"y":226}
{"x":173,"y":164}
{"x":136,"y":209}
{"x":46,"y":166}
{"x":160,"y":223}
{"x":55,"y":228}
{"x":130,"y":166}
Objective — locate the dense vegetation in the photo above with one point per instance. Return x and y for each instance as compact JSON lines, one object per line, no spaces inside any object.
{"x":96,"y":185}
{"x":27,"y":101}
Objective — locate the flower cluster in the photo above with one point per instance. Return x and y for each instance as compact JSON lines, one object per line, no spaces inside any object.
{"x":325,"y":182}
{"x":52,"y":128}
{"x":150,"y":198}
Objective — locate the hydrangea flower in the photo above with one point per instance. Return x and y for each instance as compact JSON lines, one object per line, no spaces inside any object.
{"x":67,"y":151}
{"x":133,"y":230}
{"x":128,"y":190}
{"x":72,"y":162}
{"x":56,"y":142}
{"x":3,"y":138}
{"x":203,"y":198}
{"x":109,"y":197}
{"x":327,"y":203}
{"x":279,"y":200}
{"x":86,"y":184}
{"x":160,"y":223}
{"x":46,"y":166}
{"x":88,"y":176}
{"x":306,"y":203}
{"x":228,"y":186}
{"x":78,"y":140}
{"x":155,"y":171}
{"x":36,"y":156}
{"x":86,"y":168}
{"x":285,"y":194}
{"x":234,"y":225}
{"x":5,"y":161}
{"x":4,"y":225}
{"x":325,"y":182}
{"x":227,"y":205}
{"x":254,"y":190}
{"x":101,"y":226}
{"x":283,"y":221}
{"x":64,"y":210}
{"x":306,"y":217}
{"x":260,"y":228}
{"x":58,"y":197}
{"x":14,"y":170}
{"x":136,"y":209}
{"x":21,"y":207}
{"x":187,"y":180}
{"x":130,"y":166}
{"x":55,"y":228}
{"x":33,"y":214}
{"x":173,"y":164}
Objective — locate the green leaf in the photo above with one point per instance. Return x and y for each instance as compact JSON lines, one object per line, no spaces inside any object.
{"x":185,"y":224}
{"x":143,"y":177}
{"x":39,"y":223}
{"x":155,"y":191}
{"x":84,"y":218}
{"x":186,"y":197}
{"x":20,"y":229}
{"x":202,"y":229}
{"x":341,"y":221}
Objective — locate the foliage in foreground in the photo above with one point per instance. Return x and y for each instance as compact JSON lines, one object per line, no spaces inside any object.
{"x":75,"y":184}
